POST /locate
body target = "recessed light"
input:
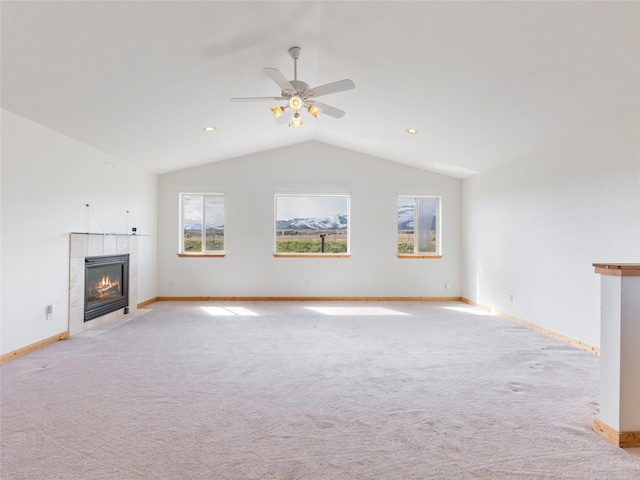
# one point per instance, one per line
(411, 131)
(209, 129)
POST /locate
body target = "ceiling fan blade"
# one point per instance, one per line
(280, 79)
(334, 87)
(329, 110)
(257, 99)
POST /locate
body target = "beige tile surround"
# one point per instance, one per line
(83, 245)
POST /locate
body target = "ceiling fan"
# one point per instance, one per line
(298, 95)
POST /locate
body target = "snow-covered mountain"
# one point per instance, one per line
(196, 225)
(406, 221)
(326, 222)
(407, 217)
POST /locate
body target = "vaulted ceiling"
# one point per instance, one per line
(482, 82)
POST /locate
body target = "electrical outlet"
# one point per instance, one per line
(49, 312)
(446, 284)
(171, 283)
(511, 297)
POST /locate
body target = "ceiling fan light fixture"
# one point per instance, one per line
(295, 103)
(314, 111)
(298, 95)
(296, 121)
(277, 112)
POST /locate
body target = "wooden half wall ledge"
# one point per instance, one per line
(619, 439)
(618, 269)
(21, 352)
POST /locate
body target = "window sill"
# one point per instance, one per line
(406, 255)
(201, 255)
(312, 255)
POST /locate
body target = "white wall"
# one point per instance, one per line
(249, 269)
(534, 227)
(47, 178)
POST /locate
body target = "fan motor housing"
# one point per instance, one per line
(299, 86)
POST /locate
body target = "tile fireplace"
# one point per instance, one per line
(106, 283)
(109, 262)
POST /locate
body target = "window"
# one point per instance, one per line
(419, 226)
(202, 224)
(312, 225)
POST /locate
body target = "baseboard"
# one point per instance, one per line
(308, 299)
(147, 302)
(619, 439)
(532, 326)
(21, 352)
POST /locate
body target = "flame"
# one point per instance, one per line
(107, 283)
(103, 288)
(107, 288)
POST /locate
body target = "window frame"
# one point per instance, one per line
(203, 237)
(277, 254)
(438, 240)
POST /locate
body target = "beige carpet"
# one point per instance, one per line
(281, 391)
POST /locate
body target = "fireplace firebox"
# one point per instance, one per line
(106, 284)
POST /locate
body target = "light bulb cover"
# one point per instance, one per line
(295, 103)
(314, 111)
(277, 112)
(296, 121)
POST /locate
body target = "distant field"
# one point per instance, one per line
(406, 242)
(192, 241)
(301, 241)
(309, 241)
